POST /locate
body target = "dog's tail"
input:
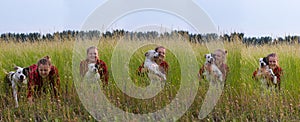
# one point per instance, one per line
(5, 72)
(6, 85)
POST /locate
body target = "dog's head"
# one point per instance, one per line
(263, 62)
(209, 58)
(21, 73)
(151, 54)
(93, 67)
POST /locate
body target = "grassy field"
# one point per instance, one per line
(241, 100)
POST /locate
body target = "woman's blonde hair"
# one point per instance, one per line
(92, 47)
(223, 52)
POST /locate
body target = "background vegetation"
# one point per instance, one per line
(241, 100)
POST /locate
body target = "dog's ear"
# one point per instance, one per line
(26, 71)
(5, 72)
(205, 56)
(265, 59)
(146, 54)
(213, 55)
(16, 68)
(97, 66)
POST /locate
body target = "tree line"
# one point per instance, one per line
(71, 35)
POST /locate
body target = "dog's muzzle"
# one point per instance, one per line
(95, 70)
(156, 55)
(210, 60)
(22, 78)
(262, 64)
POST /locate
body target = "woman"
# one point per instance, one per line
(42, 77)
(92, 57)
(220, 56)
(274, 65)
(163, 65)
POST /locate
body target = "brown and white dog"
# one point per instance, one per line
(15, 80)
(211, 71)
(266, 74)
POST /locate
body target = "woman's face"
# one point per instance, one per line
(162, 52)
(273, 62)
(44, 70)
(219, 57)
(92, 55)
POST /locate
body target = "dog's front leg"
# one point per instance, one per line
(15, 93)
(271, 72)
(156, 71)
(219, 73)
(163, 76)
(275, 79)
(273, 76)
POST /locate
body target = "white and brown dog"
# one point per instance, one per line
(211, 71)
(92, 74)
(152, 66)
(15, 79)
(265, 74)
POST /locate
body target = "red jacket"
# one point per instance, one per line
(102, 70)
(36, 84)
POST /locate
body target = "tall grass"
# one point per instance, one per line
(241, 100)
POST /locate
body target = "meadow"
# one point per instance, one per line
(241, 100)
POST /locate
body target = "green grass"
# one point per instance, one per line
(241, 99)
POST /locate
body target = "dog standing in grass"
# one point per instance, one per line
(16, 79)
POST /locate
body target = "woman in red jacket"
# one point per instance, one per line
(274, 65)
(42, 77)
(92, 57)
(220, 56)
(163, 65)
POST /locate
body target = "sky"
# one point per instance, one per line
(254, 18)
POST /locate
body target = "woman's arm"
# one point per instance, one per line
(31, 80)
(103, 71)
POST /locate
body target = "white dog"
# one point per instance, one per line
(211, 71)
(16, 79)
(264, 72)
(92, 74)
(152, 66)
